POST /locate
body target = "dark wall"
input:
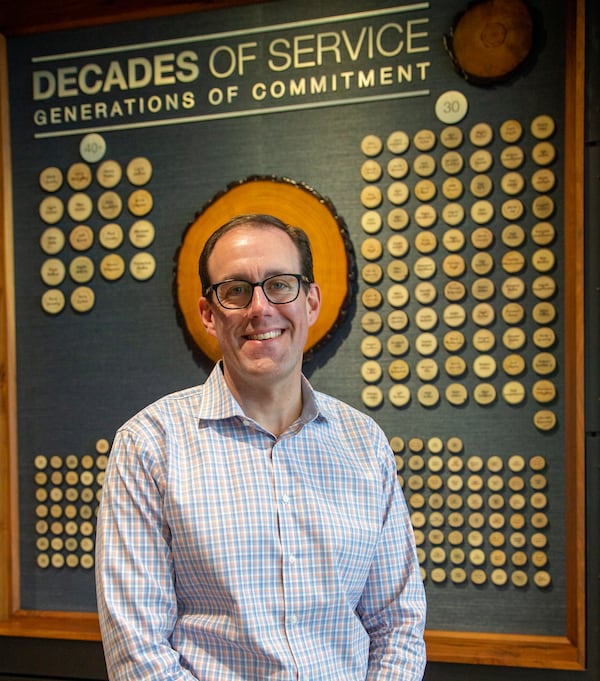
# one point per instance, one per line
(35, 16)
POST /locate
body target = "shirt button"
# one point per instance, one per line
(292, 560)
(286, 499)
(293, 619)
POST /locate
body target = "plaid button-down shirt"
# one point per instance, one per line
(226, 553)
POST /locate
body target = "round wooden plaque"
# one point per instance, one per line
(491, 39)
(294, 203)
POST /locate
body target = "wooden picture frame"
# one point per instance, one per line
(561, 652)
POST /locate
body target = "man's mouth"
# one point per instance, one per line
(264, 336)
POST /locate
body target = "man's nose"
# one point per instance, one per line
(259, 300)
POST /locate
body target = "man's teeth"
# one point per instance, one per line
(265, 336)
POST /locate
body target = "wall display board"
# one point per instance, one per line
(427, 148)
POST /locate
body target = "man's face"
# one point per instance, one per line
(262, 340)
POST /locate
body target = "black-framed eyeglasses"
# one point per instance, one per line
(235, 294)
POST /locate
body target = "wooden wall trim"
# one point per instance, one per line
(511, 650)
(574, 323)
(52, 625)
(9, 530)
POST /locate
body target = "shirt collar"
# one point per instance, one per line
(218, 402)
(310, 409)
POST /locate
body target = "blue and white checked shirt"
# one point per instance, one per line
(225, 553)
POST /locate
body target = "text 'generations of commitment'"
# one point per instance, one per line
(274, 68)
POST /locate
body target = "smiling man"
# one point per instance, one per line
(251, 527)
(259, 305)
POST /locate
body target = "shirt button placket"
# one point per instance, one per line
(286, 530)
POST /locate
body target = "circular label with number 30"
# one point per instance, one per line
(451, 107)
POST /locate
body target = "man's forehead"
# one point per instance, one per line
(261, 235)
(252, 228)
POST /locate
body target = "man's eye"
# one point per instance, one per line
(278, 285)
(281, 284)
(235, 290)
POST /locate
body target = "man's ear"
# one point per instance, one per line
(313, 302)
(207, 316)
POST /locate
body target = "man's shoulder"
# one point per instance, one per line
(183, 395)
(334, 407)
(351, 428)
(170, 405)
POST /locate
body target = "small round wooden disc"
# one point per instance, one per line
(51, 179)
(371, 371)
(452, 188)
(398, 370)
(397, 168)
(81, 238)
(109, 174)
(371, 171)
(139, 171)
(397, 345)
(371, 222)
(110, 236)
(452, 162)
(79, 207)
(53, 301)
(51, 210)
(371, 145)
(142, 266)
(52, 272)
(399, 395)
(397, 270)
(481, 160)
(511, 131)
(398, 142)
(398, 193)
(397, 219)
(82, 299)
(372, 273)
(455, 366)
(512, 157)
(397, 320)
(81, 269)
(425, 292)
(371, 196)
(112, 266)
(139, 203)
(451, 137)
(52, 240)
(79, 176)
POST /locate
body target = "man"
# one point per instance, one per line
(252, 528)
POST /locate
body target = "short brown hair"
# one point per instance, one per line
(296, 234)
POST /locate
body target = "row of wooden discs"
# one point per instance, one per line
(480, 161)
(67, 492)
(494, 540)
(79, 207)
(79, 177)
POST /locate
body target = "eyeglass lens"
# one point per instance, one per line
(279, 289)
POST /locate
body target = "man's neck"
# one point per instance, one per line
(273, 406)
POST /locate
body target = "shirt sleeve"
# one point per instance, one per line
(137, 605)
(392, 607)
